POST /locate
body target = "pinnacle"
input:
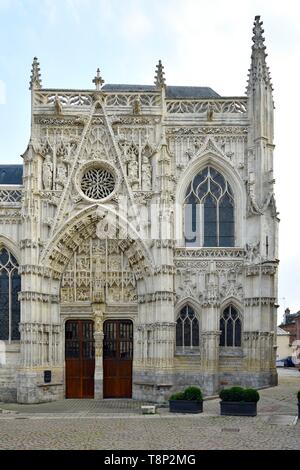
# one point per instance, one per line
(258, 39)
(98, 80)
(259, 71)
(159, 79)
(35, 78)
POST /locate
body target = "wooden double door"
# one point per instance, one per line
(117, 359)
(80, 358)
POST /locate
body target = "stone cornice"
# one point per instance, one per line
(266, 269)
(37, 297)
(255, 301)
(156, 296)
(43, 271)
(163, 243)
(41, 327)
(165, 269)
(211, 253)
(28, 243)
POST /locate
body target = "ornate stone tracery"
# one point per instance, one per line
(99, 271)
(97, 183)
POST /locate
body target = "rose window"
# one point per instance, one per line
(97, 183)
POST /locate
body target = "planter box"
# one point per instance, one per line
(238, 408)
(185, 406)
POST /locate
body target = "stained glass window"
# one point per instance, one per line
(231, 328)
(187, 329)
(209, 210)
(10, 286)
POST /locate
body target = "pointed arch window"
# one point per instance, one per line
(187, 330)
(231, 328)
(209, 210)
(10, 286)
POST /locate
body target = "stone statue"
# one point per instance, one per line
(210, 112)
(61, 178)
(58, 106)
(47, 172)
(98, 321)
(133, 173)
(137, 107)
(146, 175)
(253, 252)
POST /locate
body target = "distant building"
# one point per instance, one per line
(283, 344)
(291, 324)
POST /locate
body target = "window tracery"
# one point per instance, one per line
(231, 327)
(10, 286)
(209, 210)
(187, 330)
(97, 183)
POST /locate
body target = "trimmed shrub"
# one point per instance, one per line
(193, 393)
(190, 394)
(298, 396)
(177, 396)
(232, 394)
(239, 394)
(250, 394)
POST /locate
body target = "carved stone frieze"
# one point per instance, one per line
(62, 121)
(256, 301)
(43, 271)
(156, 296)
(209, 253)
(231, 130)
(38, 297)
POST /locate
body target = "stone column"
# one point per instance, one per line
(98, 310)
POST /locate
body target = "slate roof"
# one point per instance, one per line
(11, 174)
(171, 91)
(281, 332)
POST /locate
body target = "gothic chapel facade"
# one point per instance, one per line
(138, 241)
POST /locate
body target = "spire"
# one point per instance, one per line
(98, 80)
(259, 71)
(35, 79)
(160, 81)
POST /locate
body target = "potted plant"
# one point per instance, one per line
(298, 396)
(238, 401)
(188, 401)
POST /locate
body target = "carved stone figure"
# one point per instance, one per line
(137, 107)
(58, 106)
(61, 177)
(47, 172)
(146, 175)
(133, 174)
(98, 321)
(253, 252)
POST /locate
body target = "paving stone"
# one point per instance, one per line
(119, 424)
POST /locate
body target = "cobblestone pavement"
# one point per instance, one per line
(80, 424)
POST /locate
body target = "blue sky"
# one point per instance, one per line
(200, 43)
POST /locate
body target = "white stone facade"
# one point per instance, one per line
(99, 233)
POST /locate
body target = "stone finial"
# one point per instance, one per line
(259, 71)
(159, 79)
(98, 80)
(258, 39)
(35, 79)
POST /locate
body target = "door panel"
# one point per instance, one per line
(117, 359)
(80, 359)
